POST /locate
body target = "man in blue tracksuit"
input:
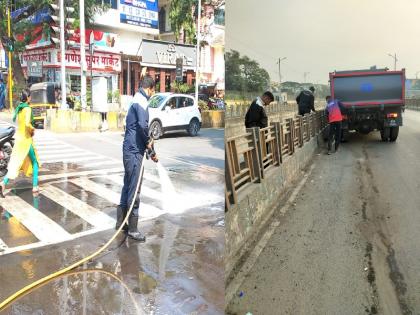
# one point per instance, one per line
(136, 141)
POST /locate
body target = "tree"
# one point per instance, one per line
(182, 14)
(244, 74)
(26, 27)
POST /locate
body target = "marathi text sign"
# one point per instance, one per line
(98, 61)
(142, 13)
(51, 58)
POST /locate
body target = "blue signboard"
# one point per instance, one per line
(142, 13)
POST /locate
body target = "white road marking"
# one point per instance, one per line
(146, 211)
(239, 278)
(40, 225)
(50, 156)
(70, 159)
(82, 173)
(145, 191)
(95, 164)
(3, 246)
(11, 250)
(88, 213)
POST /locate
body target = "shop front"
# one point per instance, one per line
(160, 59)
(43, 64)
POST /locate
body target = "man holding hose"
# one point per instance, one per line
(136, 141)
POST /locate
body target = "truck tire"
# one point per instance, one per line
(385, 133)
(394, 134)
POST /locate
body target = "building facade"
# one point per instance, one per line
(123, 40)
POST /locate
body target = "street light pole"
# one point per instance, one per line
(394, 56)
(305, 74)
(197, 71)
(279, 62)
(63, 57)
(82, 55)
(9, 54)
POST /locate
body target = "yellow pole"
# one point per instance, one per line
(10, 79)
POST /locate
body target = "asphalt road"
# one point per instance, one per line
(349, 244)
(179, 270)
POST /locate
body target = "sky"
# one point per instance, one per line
(320, 36)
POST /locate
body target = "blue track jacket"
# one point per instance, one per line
(137, 125)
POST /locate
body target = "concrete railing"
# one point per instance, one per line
(261, 165)
(250, 155)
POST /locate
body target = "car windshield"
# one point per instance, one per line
(156, 101)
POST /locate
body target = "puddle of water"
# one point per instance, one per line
(64, 217)
(12, 232)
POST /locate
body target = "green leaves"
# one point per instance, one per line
(182, 17)
(244, 74)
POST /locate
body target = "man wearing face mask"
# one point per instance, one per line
(136, 141)
(256, 115)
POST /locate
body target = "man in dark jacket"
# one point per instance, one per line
(306, 101)
(136, 141)
(256, 116)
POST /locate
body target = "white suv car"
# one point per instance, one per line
(173, 112)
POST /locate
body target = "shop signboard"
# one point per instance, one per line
(166, 54)
(35, 69)
(142, 13)
(50, 58)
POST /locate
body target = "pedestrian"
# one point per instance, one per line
(306, 101)
(335, 117)
(256, 115)
(136, 141)
(2, 95)
(24, 156)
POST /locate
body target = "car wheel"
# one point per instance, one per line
(156, 130)
(193, 128)
(385, 133)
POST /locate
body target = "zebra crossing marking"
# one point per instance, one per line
(42, 227)
(145, 191)
(78, 207)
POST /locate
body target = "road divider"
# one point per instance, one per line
(64, 121)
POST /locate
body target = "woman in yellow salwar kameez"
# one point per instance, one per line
(24, 157)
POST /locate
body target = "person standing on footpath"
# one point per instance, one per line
(306, 101)
(256, 115)
(335, 117)
(136, 141)
(24, 156)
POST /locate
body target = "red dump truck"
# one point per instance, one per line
(373, 100)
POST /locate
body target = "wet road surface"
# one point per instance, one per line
(179, 270)
(349, 243)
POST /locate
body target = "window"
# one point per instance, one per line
(183, 102)
(112, 3)
(162, 20)
(219, 16)
(75, 83)
(155, 101)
